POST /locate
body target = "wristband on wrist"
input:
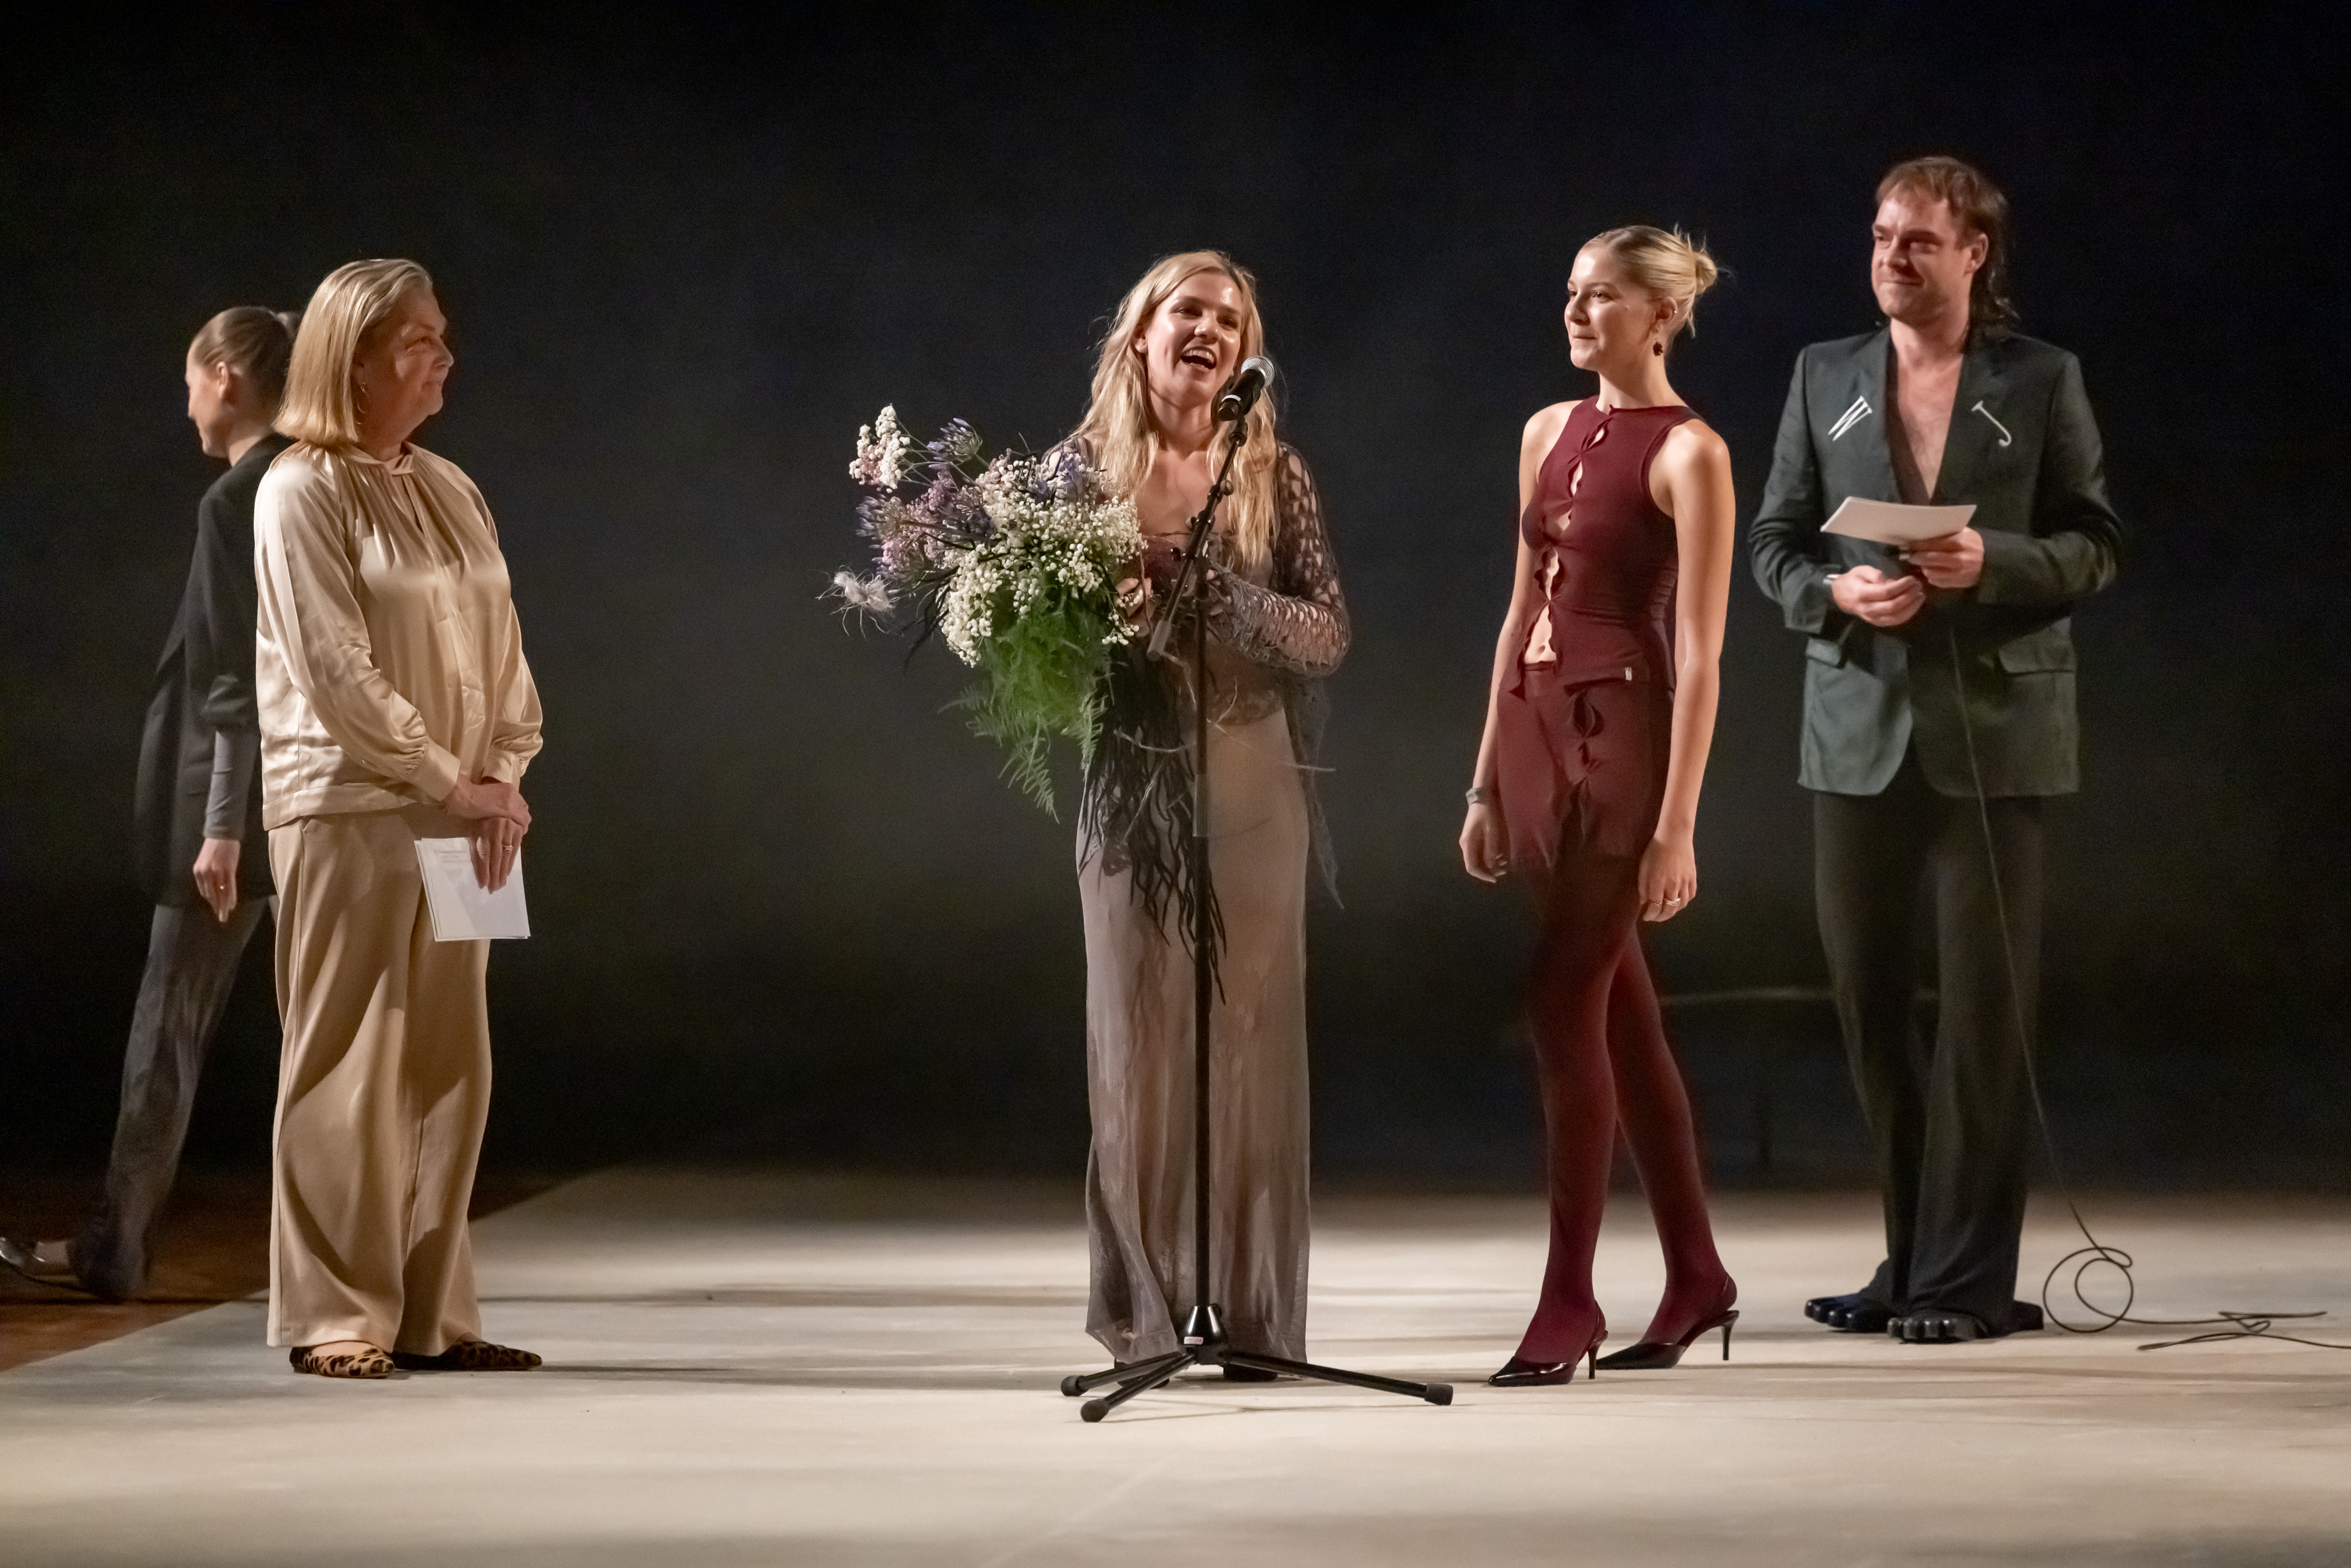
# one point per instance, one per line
(1476, 795)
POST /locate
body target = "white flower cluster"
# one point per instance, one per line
(885, 451)
(1065, 546)
(968, 609)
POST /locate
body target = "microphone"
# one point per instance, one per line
(1248, 385)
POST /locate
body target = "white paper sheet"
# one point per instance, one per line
(1887, 523)
(462, 909)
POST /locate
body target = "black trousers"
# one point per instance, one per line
(192, 961)
(1952, 1125)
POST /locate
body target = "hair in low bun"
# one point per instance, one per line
(255, 342)
(1668, 263)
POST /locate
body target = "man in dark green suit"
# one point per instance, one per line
(1933, 676)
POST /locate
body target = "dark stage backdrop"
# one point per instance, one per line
(785, 907)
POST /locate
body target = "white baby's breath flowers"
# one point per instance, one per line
(1060, 544)
(1028, 572)
(885, 451)
(968, 609)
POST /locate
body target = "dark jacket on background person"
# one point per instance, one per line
(2024, 449)
(203, 716)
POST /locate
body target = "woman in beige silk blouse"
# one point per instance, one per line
(395, 705)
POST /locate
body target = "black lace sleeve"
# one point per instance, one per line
(1298, 622)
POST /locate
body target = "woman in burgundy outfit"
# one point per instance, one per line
(1597, 727)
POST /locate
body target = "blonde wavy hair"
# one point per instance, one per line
(1118, 425)
(1669, 264)
(354, 299)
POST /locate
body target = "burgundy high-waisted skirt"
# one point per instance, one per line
(1583, 763)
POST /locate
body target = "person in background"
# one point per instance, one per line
(202, 853)
(395, 705)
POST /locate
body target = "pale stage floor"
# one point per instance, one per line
(753, 1368)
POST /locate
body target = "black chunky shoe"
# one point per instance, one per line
(1940, 1325)
(1855, 1313)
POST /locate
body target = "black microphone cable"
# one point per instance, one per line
(2094, 1253)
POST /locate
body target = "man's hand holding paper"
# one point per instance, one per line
(1936, 542)
(1954, 560)
(1869, 595)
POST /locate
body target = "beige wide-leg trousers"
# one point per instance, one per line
(382, 1091)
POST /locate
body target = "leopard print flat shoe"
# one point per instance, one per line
(363, 1364)
(469, 1355)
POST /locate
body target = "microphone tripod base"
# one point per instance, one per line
(1204, 1344)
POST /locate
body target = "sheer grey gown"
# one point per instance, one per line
(1273, 631)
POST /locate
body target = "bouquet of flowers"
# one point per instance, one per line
(1021, 563)
(1033, 577)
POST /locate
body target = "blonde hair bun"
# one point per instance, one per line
(1668, 263)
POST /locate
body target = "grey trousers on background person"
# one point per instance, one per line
(1952, 1124)
(192, 961)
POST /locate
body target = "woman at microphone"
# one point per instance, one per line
(1598, 720)
(1276, 624)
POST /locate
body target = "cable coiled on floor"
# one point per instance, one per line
(2094, 1254)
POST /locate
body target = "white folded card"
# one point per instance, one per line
(1888, 523)
(462, 909)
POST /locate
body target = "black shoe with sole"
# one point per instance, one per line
(1940, 1325)
(1936, 1325)
(1855, 1313)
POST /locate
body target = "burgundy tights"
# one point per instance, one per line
(1602, 1060)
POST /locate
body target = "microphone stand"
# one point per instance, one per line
(1201, 1341)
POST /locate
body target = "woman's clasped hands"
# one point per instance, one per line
(499, 819)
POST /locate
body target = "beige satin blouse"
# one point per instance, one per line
(389, 662)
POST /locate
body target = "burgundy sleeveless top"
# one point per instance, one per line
(1605, 555)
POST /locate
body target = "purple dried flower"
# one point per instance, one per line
(906, 554)
(958, 445)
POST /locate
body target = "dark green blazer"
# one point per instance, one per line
(2024, 449)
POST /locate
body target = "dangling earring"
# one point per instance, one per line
(1658, 348)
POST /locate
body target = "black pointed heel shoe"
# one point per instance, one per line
(1655, 1355)
(23, 1257)
(1517, 1373)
